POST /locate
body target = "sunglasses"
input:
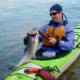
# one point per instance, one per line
(53, 13)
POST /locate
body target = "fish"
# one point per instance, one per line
(31, 46)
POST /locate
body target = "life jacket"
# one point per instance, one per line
(52, 32)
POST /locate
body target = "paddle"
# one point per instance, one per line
(42, 34)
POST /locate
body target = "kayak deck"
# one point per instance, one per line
(62, 63)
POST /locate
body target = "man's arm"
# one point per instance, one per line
(69, 44)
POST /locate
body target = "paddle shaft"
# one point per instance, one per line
(42, 34)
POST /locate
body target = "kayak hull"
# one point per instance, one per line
(72, 72)
(61, 63)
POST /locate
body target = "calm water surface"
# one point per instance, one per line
(17, 17)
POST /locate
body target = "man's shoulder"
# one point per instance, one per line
(43, 28)
(45, 25)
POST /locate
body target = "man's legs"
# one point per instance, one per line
(44, 53)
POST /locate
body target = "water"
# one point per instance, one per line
(17, 17)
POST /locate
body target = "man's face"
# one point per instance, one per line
(56, 16)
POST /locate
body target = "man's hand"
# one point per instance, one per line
(52, 41)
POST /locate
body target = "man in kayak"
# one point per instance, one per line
(59, 32)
